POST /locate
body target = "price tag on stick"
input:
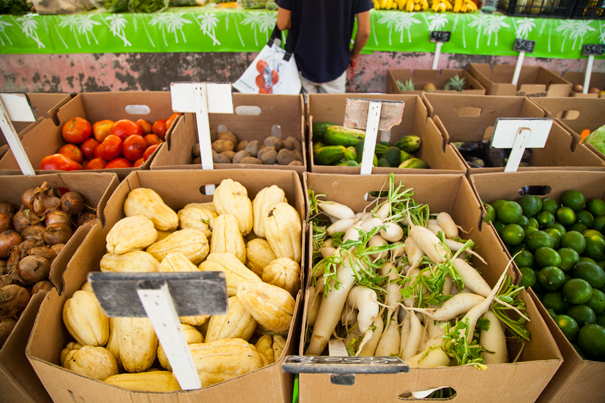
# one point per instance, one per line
(163, 297)
(591, 51)
(519, 134)
(439, 37)
(16, 107)
(193, 98)
(522, 46)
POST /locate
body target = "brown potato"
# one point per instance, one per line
(273, 141)
(229, 136)
(195, 150)
(237, 158)
(285, 156)
(220, 159)
(288, 144)
(250, 160)
(269, 157)
(223, 145)
(252, 148)
(296, 164)
(241, 145)
(295, 141)
(198, 160)
(228, 154)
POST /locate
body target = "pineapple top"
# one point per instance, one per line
(456, 83)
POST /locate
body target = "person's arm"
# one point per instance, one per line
(284, 19)
(363, 34)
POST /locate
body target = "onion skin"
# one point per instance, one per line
(57, 233)
(21, 220)
(26, 246)
(6, 327)
(13, 300)
(27, 197)
(57, 217)
(43, 251)
(5, 279)
(33, 269)
(6, 222)
(8, 239)
(57, 248)
(35, 232)
(72, 203)
(7, 208)
(44, 203)
(44, 285)
(86, 217)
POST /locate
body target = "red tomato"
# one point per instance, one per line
(58, 162)
(159, 128)
(261, 65)
(124, 128)
(110, 148)
(96, 163)
(152, 139)
(172, 119)
(97, 150)
(150, 151)
(101, 129)
(145, 126)
(118, 163)
(138, 162)
(76, 130)
(134, 147)
(88, 148)
(72, 152)
(260, 81)
(274, 77)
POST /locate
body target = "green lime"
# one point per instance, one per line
(545, 256)
(599, 223)
(596, 206)
(566, 216)
(591, 272)
(525, 259)
(583, 314)
(556, 235)
(529, 230)
(550, 205)
(577, 226)
(595, 247)
(587, 259)
(602, 264)
(491, 213)
(498, 226)
(515, 249)
(529, 277)
(554, 300)
(579, 351)
(600, 319)
(574, 240)
(558, 226)
(497, 203)
(537, 239)
(530, 204)
(545, 218)
(569, 258)
(533, 223)
(577, 291)
(523, 221)
(574, 199)
(551, 313)
(590, 232)
(585, 217)
(509, 212)
(591, 340)
(551, 278)
(512, 234)
(597, 301)
(568, 326)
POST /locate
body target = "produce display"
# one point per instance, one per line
(559, 248)
(32, 236)
(107, 144)
(227, 149)
(579, 89)
(458, 6)
(397, 279)
(595, 138)
(256, 243)
(456, 83)
(341, 146)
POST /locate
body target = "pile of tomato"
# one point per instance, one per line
(107, 144)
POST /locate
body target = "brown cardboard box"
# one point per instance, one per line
(440, 158)
(18, 380)
(439, 78)
(46, 139)
(575, 115)
(254, 118)
(577, 77)
(177, 188)
(521, 381)
(576, 379)
(43, 105)
(472, 118)
(533, 80)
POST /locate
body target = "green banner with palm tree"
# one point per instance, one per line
(210, 29)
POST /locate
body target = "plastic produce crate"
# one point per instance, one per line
(589, 9)
(537, 8)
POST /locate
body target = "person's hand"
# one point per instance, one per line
(353, 63)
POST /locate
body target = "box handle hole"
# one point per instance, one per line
(436, 394)
(470, 112)
(536, 190)
(249, 110)
(137, 109)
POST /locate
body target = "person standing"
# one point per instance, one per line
(322, 32)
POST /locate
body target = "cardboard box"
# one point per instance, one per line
(577, 77)
(43, 105)
(472, 118)
(18, 381)
(533, 80)
(575, 115)
(177, 188)
(255, 117)
(46, 139)
(522, 381)
(440, 157)
(439, 78)
(577, 379)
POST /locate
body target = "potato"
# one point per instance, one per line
(237, 158)
(252, 148)
(297, 155)
(228, 154)
(295, 141)
(241, 145)
(287, 144)
(195, 150)
(273, 141)
(268, 157)
(296, 164)
(227, 135)
(223, 145)
(285, 156)
(198, 160)
(265, 150)
(250, 160)
(221, 159)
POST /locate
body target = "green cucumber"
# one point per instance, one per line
(383, 162)
(316, 147)
(381, 149)
(393, 156)
(319, 129)
(404, 156)
(348, 163)
(328, 155)
(351, 154)
(414, 162)
(340, 135)
(409, 144)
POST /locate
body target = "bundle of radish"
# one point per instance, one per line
(395, 279)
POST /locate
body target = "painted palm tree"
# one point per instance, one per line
(495, 25)
(255, 20)
(208, 22)
(480, 22)
(160, 20)
(176, 22)
(29, 26)
(71, 22)
(438, 22)
(3, 26)
(567, 27)
(525, 27)
(116, 24)
(268, 21)
(86, 26)
(581, 28)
